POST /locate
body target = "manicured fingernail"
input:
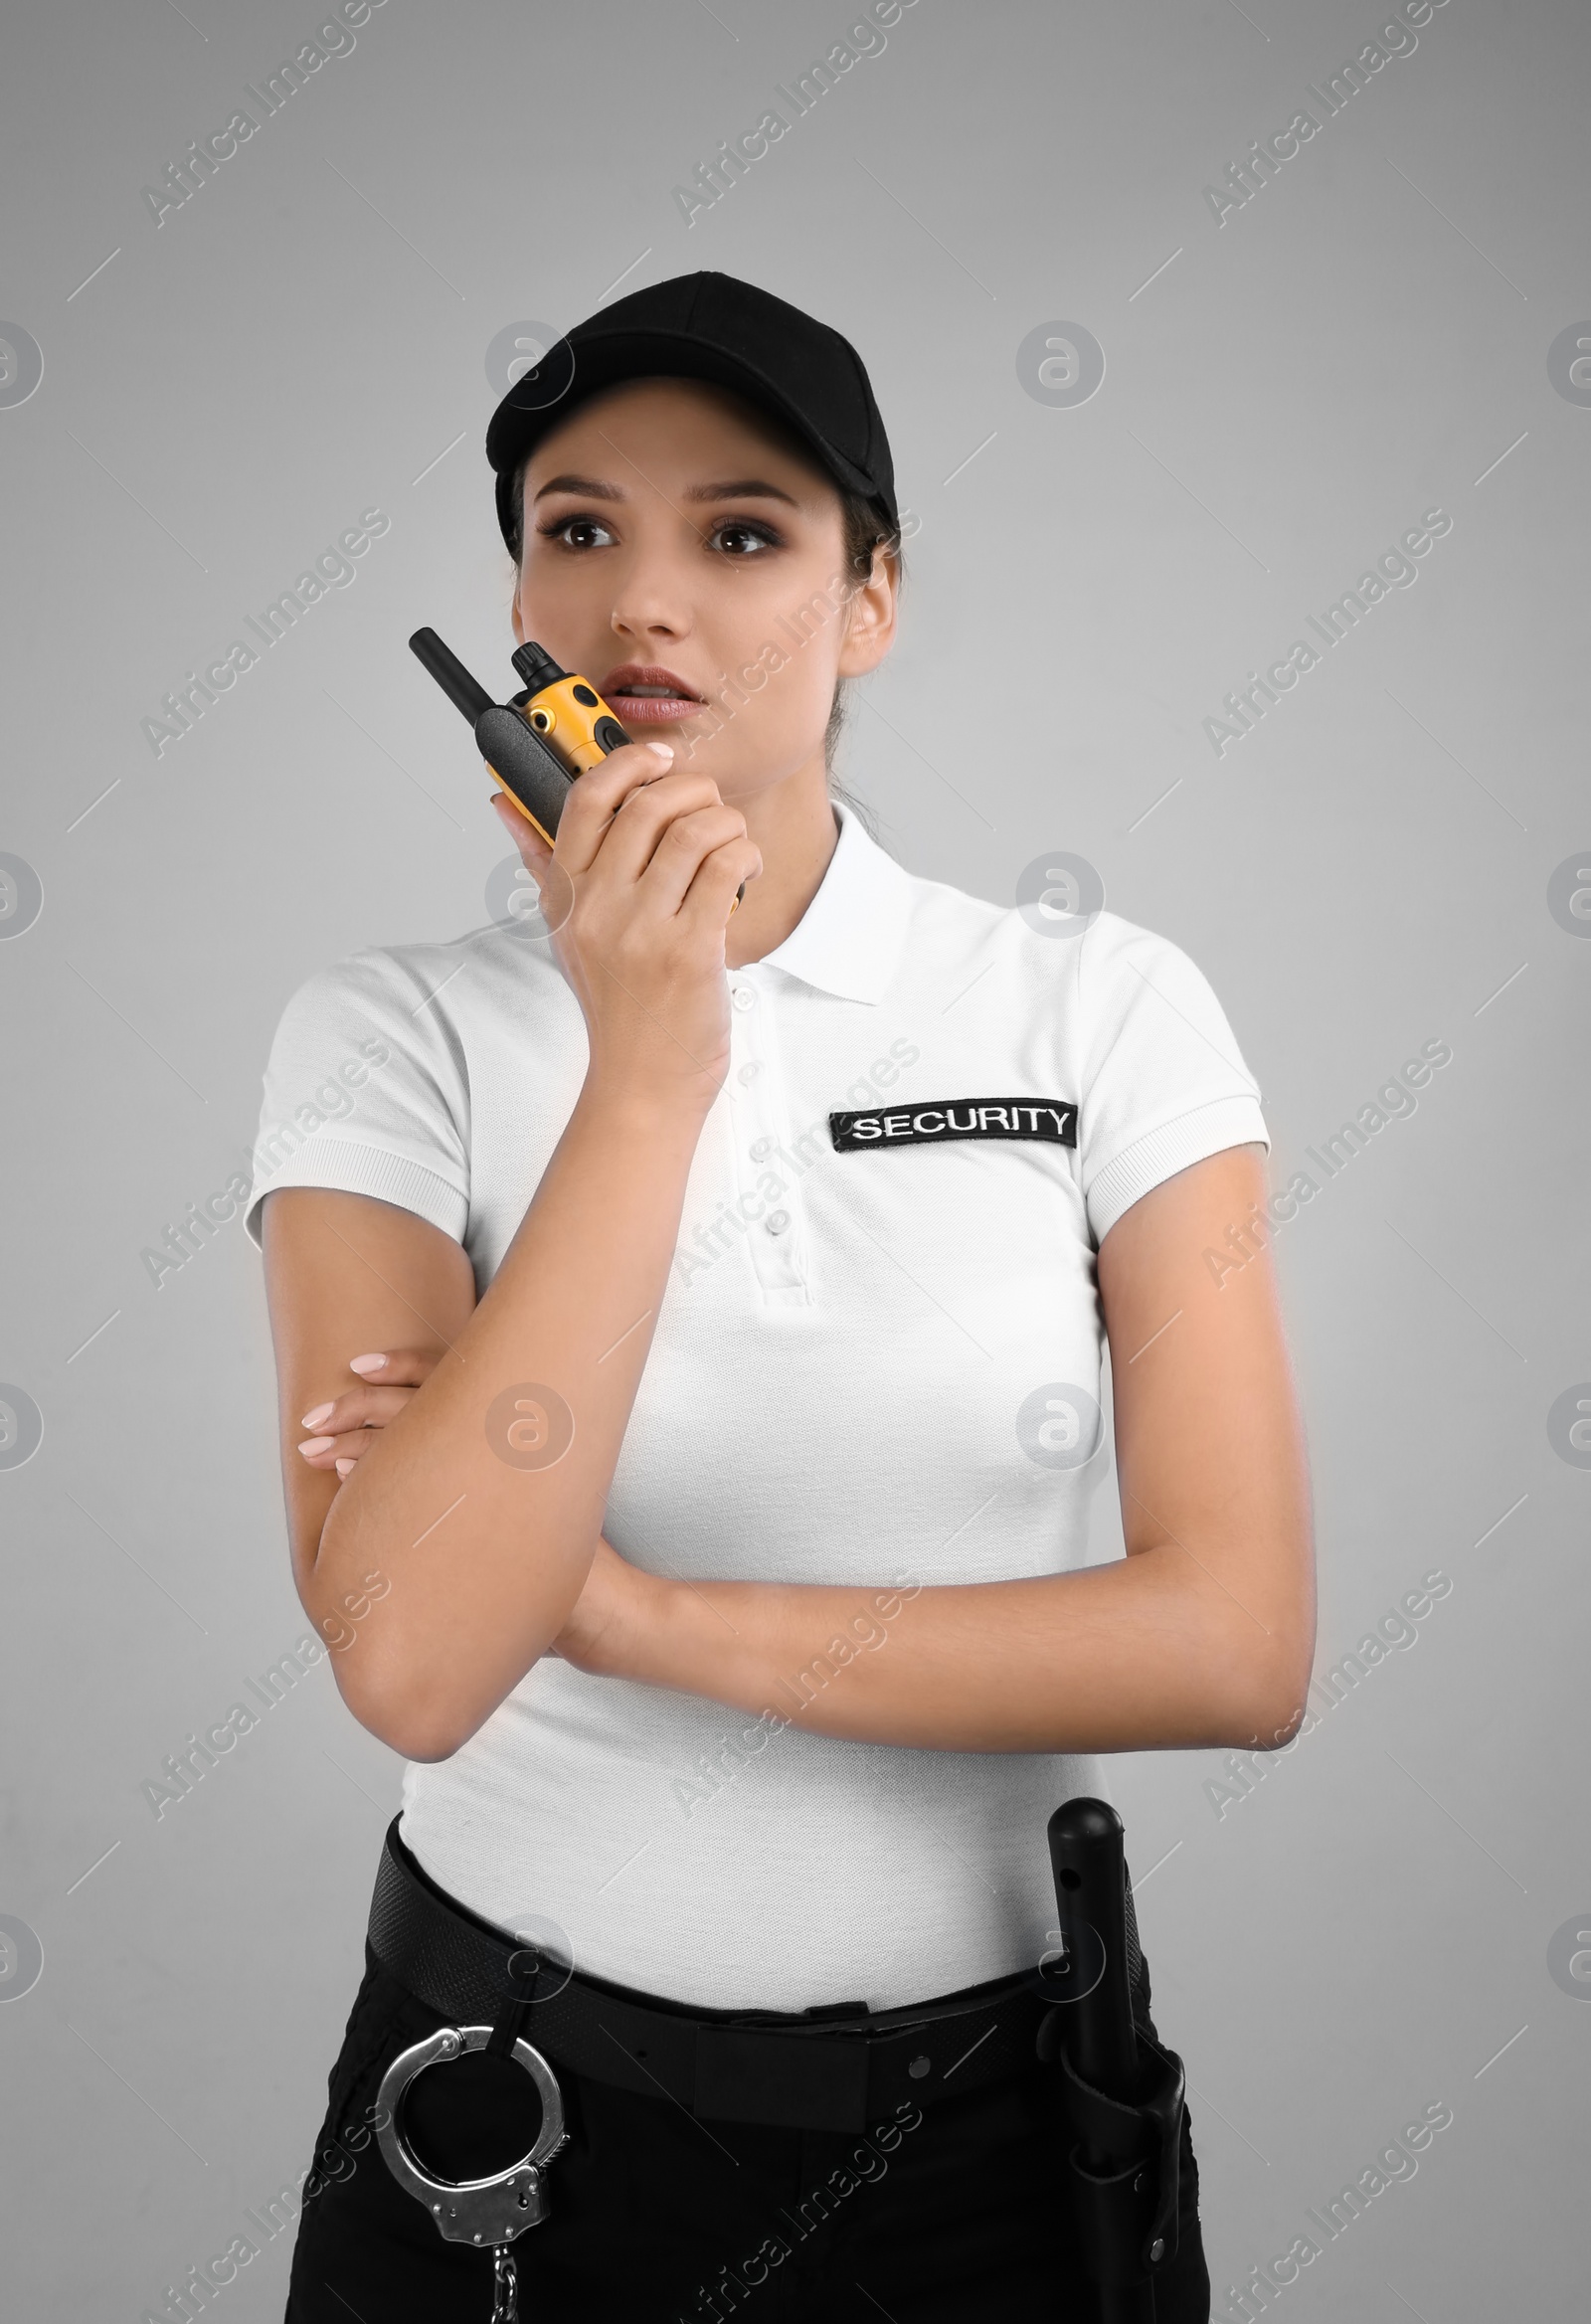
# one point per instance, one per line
(343, 1468)
(366, 1363)
(316, 1444)
(664, 750)
(314, 1419)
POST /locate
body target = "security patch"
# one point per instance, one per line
(1053, 1120)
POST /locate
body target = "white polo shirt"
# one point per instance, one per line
(877, 1362)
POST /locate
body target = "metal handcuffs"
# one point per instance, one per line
(488, 2213)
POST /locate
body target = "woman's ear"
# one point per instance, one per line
(518, 621)
(870, 618)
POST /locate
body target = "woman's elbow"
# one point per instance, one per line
(422, 1747)
(411, 1736)
(392, 1709)
(1266, 1709)
(1283, 1729)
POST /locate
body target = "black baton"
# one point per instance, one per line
(1122, 2094)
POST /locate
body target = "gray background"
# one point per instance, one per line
(1368, 1931)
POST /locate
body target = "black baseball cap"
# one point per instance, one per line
(707, 326)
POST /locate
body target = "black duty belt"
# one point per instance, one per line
(839, 2066)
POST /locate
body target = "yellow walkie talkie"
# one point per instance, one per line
(542, 740)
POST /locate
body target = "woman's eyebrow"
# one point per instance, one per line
(745, 489)
(592, 487)
(737, 489)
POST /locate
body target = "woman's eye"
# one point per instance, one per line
(741, 540)
(578, 532)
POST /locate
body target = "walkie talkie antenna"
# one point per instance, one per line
(465, 693)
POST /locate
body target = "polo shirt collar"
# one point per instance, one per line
(849, 940)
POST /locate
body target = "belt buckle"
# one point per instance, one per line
(485, 2212)
(786, 2080)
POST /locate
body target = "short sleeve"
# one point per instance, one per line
(1164, 1084)
(366, 1090)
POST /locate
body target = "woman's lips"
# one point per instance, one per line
(650, 709)
(653, 705)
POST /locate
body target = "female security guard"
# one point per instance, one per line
(706, 1513)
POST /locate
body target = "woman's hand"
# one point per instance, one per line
(636, 894)
(607, 1626)
(345, 1425)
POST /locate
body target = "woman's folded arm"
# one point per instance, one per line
(486, 1554)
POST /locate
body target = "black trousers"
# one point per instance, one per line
(950, 2213)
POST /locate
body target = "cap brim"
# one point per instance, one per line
(536, 404)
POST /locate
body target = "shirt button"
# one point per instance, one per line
(751, 1069)
(744, 997)
(778, 1221)
(762, 1150)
